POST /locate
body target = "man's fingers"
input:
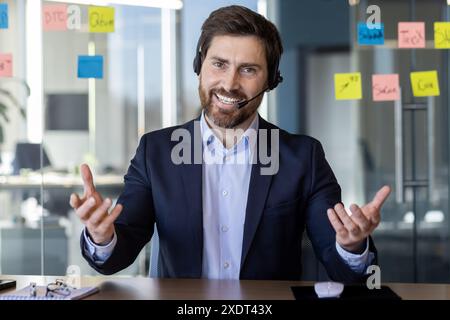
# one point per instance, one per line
(359, 218)
(75, 201)
(88, 181)
(375, 218)
(100, 213)
(346, 220)
(84, 210)
(380, 197)
(336, 222)
(109, 220)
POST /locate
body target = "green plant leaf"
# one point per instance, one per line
(4, 115)
(11, 98)
(11, 101)
(23, 112)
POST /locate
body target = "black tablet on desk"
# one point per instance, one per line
(5, 284)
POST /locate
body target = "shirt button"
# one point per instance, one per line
(224, 193)
(224, 228)
(226, 265)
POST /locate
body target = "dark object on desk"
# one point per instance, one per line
(28, 156)
(351, 292)
(5, 284)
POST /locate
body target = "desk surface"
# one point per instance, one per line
(56, 180)
(140, 288)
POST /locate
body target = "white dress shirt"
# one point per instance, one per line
(225, 182)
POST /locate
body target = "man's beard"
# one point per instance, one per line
(226, 118)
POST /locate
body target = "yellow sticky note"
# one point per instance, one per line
(101, 19)
(425, 83)
(347, 86)
(442, 35)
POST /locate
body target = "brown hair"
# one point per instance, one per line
(239, 20)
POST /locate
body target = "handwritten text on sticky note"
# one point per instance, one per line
(101, 19)
(374, 36)
(425, 83)
(385, 87)
(6, 65)
(442, 35)
(54, 17)
(90, 67)
(3, 16)
(347, 86)
(411, 34)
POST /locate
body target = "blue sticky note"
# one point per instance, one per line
(3, 16)
(90, 67)
(367, 36)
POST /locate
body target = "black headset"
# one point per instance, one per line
(274, 75)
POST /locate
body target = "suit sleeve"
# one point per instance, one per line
(325, 192)
(134, 226)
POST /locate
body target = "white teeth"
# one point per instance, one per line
(226, 100)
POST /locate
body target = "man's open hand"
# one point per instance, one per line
(352, 230)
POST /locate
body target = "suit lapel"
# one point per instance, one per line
(257, 194)
(192, 181)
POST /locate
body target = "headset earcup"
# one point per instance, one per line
(275, 80)
(197, 63)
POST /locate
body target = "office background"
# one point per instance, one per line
(148, 83)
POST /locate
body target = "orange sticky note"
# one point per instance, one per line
(54, 17)
(385, 87)
(348, 86)
(442, 35)
(411, 34)
(6, 65)
(101, 19)
(425, 83)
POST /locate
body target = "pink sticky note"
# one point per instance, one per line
(54, 17)
(385, 87)
(411, 34)
(6, 65)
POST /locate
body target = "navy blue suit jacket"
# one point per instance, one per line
(278, 209)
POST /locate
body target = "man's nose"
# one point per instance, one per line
(231, 80)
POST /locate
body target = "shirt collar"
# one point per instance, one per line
(212, 142)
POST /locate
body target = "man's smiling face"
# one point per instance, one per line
(234, 69)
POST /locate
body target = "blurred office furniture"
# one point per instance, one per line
(28, 156)
(21, 252)
(51, 180)
(56, 184)
(20, 241)
(57, 187)
(33, 156)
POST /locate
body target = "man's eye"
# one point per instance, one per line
(249, 70)
(218, 64)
